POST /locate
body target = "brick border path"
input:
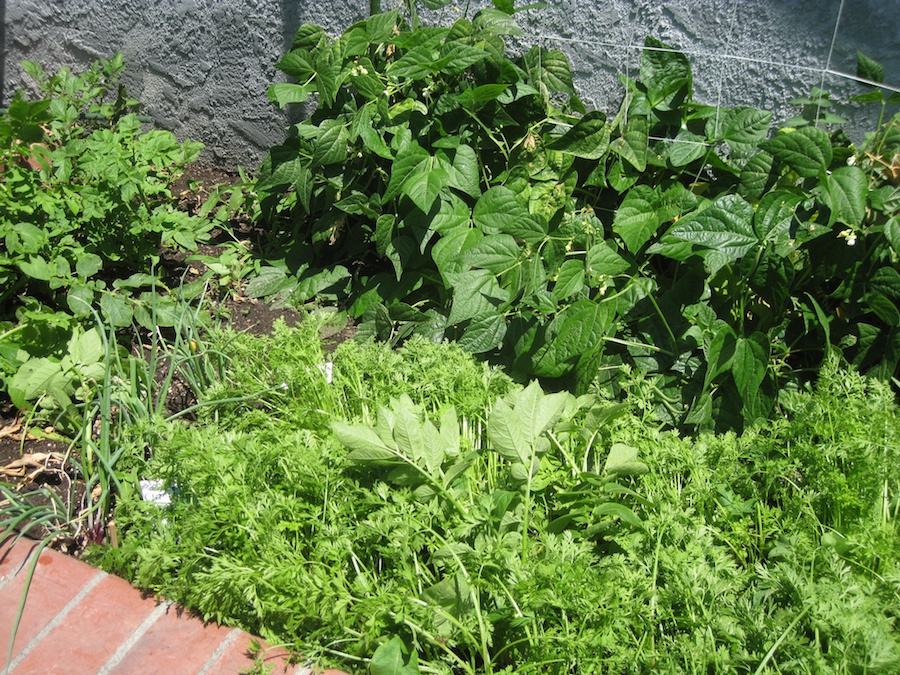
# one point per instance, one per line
(79, 620)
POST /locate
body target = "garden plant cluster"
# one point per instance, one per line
(622, 396)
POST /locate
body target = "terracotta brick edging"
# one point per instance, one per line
(81, 620)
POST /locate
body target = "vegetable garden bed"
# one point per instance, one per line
(678, 452)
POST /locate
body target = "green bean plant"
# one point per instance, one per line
(446, 188)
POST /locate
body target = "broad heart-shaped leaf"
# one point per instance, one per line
(88, 264)
(748, 368)
(299, 64)
(589, 138)
(36, 377)
(636, 220)
(496, 252)
(457, 56)
(500, 211)
(284, 93)
(463, 169)
(484, 334)
(117, 310)
(569, 280)
(886, 280)
(632, 146)
(577, 330)
(775, 215)
(806, 150)
(685, 148)
(892, 233)
(603, 260)
(452, 214)
(449, 253)
(845, 194)
(425, 182)
(476, 294)
(756, 175)
(550, 68)
(365, 445)
(407, 161)
(331, 146)
(745, 125)
(665, 73)
(474, 98)
(884, 308)
(725, 227)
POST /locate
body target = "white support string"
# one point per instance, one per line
(731, 57)
(837, 24)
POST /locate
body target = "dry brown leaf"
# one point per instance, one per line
(10, 429)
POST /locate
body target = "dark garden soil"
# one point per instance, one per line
(32, 458)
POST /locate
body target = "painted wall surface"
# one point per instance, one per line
(201, 67)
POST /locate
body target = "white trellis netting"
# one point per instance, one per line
(743, 53)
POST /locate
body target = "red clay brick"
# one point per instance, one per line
(57, 579)
(176, 643)
(92, 633)
(12, 556)
(236, 658)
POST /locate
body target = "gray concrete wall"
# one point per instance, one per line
(201, 67)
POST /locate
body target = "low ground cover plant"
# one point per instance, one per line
(422, 513)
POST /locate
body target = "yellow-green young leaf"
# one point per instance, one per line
(364, 443)
(845, 195)
(806, 150)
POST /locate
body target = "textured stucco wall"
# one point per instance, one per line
(201, 67)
